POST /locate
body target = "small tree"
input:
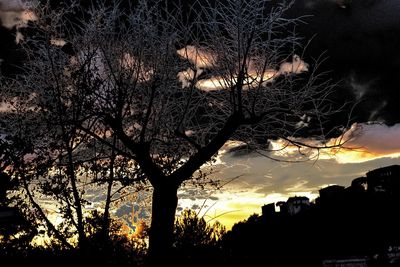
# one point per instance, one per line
(166, 89)
(197, 242)
(191, 231)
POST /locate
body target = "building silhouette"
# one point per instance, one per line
(352, 226)
(295, 205)
(384, 180)
(331, 195)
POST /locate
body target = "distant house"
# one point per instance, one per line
(360, 183)
(331, 195)
(384, 180)
(268, 210)
(294, 205)
(331, 192)
(393, 254)
(361, 261)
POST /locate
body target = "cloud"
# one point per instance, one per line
(58, 42)
(378, 139)
(203, 59)
(362, 142)
(359, 88)
(261, 180)
(212, 84)
(16, 13)
(310, 4)
(10, 19)
(361, 45)
(266, 181)
(338, 3)
(13, 5)
(187, 76)
(133, 65)
(4, 107)
(296, 66)
(366, 142)
(200, 57)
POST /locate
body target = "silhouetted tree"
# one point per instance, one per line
(119, 248)
(193, 231)
(16, 231)
(50, 158)
(163, 92)
(196, 242)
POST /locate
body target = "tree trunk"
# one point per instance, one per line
(165, 201)
(82, 241)
(106, 216)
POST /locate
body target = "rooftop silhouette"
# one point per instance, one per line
(345, 226)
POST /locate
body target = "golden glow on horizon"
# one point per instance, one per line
(362, 143)
(346, 156)
(232, 207)
(130, 233)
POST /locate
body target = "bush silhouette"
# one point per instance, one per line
(197, 242)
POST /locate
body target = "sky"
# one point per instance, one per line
(361, 41)
(262, 180)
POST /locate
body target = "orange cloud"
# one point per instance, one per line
(4, 107)
(129, 63)
(296, 66)
(203, 59)
(371, 141)
(362, 142)
(187, 76)
(16, 14)
(16, 18)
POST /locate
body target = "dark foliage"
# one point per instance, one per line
(197, 243)
(113, 250)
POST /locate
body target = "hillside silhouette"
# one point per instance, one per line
(353, 226)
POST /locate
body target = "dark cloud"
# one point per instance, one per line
(196, 194)
(14, 15)
(362, 43)
(12, 5)
(10, 55)
(360, 37)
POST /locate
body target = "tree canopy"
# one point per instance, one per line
(150, 94)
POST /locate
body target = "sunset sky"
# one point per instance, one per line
(361, 40)
(264, 181)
